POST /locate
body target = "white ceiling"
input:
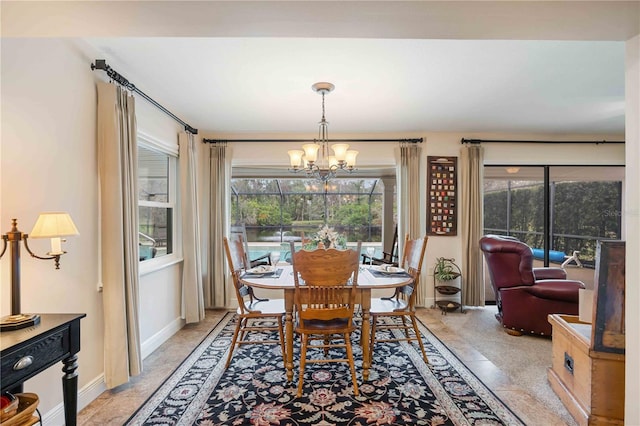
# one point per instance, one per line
(468, 66)
(264, 84)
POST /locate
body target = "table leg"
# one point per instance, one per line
(288, 326)
(365, 302)
(70, 389)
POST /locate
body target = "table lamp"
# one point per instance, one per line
(52, 225)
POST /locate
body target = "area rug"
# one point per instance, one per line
(401, 389)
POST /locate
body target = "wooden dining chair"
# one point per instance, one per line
(389, 257)
(400, 306)
(241, 231)
(325, 296)
(252, 311)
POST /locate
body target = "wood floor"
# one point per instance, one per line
(115, 406)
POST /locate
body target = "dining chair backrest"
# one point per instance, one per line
(236, 260)
(324, 275)
(238, 255)
(412, 258)
(392, 252)
(240, 231)
(413, 255)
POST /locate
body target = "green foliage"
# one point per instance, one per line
(445, 269)
(351, 215)
(261, 211)
(585, 209)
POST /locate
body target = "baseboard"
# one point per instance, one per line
(86, 395)
(161, 336)
(93, 389)
(428, 302)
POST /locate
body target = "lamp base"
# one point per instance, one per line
(18, 321)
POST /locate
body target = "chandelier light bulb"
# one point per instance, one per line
(311, 152)
(295, 157)
(340, 150)
(350, 158)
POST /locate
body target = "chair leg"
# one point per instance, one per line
(281, 337)
(419, 339)
(372, 339)
(303, 361)
(352, 366)
(404, 326)
(243, 323)
(233, 342)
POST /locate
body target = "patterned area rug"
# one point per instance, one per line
(401, 389)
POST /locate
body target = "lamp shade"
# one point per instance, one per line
(295, 157)
(52, 225)
(340, 150)
(350, 158)
(311, 152)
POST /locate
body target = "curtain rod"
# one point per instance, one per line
(479, 141)
(414, 140)
(101, 64)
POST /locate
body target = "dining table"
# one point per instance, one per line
(369, 278)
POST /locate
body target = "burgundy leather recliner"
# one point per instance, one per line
(526, 295)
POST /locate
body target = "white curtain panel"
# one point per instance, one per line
(117, 162)
(220, 180)
(409, 201)
(192, 290)
(472, 219)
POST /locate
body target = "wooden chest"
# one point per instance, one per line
(589, 383)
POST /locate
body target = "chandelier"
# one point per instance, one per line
(324, 166)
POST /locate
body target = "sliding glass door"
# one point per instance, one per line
(559, 211)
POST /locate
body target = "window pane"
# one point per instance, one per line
(514, 203)
(154, 232)
(153, 175)
(156, 183)
(586, 207)
(283, 209)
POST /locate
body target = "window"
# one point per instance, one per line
(585, 204)
(277, 210)
(156, 202)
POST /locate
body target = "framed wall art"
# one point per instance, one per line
(442, 184)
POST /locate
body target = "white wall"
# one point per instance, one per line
(49, 163)
(49, 160)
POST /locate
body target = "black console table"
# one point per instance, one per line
(29, 351)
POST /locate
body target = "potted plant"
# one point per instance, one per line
(445, 269)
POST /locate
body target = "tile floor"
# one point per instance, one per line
(115, 406)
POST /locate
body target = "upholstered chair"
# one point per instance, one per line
(526, 295)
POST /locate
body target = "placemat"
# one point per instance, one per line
(379, 274)
(274, 274)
